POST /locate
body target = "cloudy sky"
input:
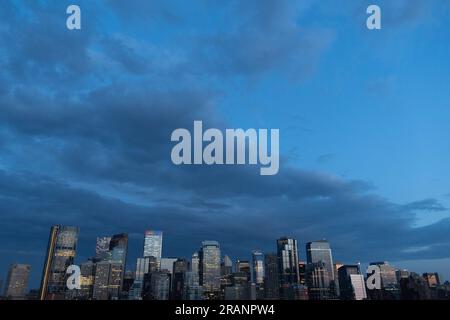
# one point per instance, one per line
(86, 118)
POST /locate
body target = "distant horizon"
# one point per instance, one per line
(131, 264)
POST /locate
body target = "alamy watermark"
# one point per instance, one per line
(73, 21)
(234, 146)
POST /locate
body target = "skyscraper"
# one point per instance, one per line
(61, 251)
(195, 263)
(192, 288)
(258, 267)
(118, 248)
(271, 277)
(209, 268)
(180, 267)
(17, 281)
(258, 273)
(320, 251)
(153, 244)
(102, 248)
(287, 266)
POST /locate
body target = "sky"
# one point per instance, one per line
(86, 117)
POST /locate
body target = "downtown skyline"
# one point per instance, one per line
(149, 246)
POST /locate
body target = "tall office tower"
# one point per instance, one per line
(180, 267)
(258, 267)
(258, 273)
(320, 251)
(61, 251)
(271, 277)
(195, 262)
(209, 269)
(17, 281)
(347, 291)
(102, 249)
(287, 267)
(318, 281)
(1, 287)
(153, 244)
(432, 279)
(118, 247)
(87, 278)
(244, 267)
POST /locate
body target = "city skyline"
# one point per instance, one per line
(130, 265)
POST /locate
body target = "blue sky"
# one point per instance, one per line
(363, 118)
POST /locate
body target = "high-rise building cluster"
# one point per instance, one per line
(210, 275)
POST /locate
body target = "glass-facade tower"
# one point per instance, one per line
(61, 251)
(153, 244)
(209, 267)
(289, 276)
(320, 251)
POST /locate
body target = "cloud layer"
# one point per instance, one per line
(86, 121)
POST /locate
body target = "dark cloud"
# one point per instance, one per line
(266, 37)
(431, 205)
